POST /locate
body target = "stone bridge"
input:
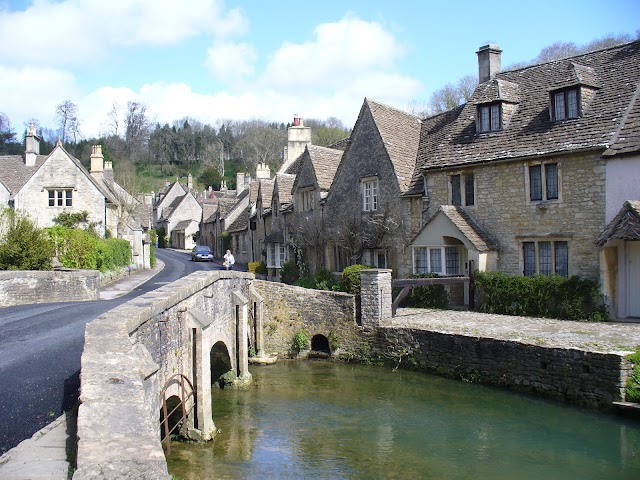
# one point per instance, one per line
(136, 355)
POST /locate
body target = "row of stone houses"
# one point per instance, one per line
(43, 186)
(539, 172)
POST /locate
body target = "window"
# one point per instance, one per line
(543, 182)
(545, 257)
(276, 255)
(489, 117)
(432, 260)
(375, 257)
(370, 195)
(564, 104)
(60, 198)
(462, 189)
(306, 197)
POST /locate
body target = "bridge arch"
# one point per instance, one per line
(320, 343)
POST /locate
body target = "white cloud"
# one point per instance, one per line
(231, 61)
(76, 31)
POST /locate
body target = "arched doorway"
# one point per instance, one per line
(220, 362)
(320, 346)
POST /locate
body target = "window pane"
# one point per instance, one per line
(455, 190)
(495, 117)
(572, 104)
(421, 260)
(544, 258)
(535, 183)
(452, 259)
(52, 198)
(529, 256)
(381, 260)
(68, 199)
(435, 258)
(367, 196)
(558, 99)
(484, 118)
(562, 258)
(469, 190)
(551, 174)
(374, 195)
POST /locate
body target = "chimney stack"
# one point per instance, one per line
(32, 149)
(489, 60)
(263, 172)
(97, 162)
(189, 182)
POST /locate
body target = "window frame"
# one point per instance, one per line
(60, 197)
(567, 105)
(276, 255)
(369, 188)
(492, 121)
(307, 200)
(445, 255)
(555, 260)
(463, 189)
(547, 169)
(371, 256)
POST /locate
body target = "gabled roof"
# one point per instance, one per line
(341, 144)
(625, 225)
(241, 223)
(14, 173)
(480, 239)
(325, 163)
(265, 192)
(283, 186)
(497, 90)
(400, 133)
(209, 211)
(530, 132)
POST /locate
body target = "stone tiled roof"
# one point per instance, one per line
(400, 133)
(253, 191)
(341, 144)
(325, 164)
(284, 183)
(625, 225)
(209, 211)
(184, 224)
(168, 210)
(497, 89)
(14, 173)
(240, 224)
(266, 191)
(627, 138)
(295, 166)
(610, 112)
(469, 228)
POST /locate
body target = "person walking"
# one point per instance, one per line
(228, 260)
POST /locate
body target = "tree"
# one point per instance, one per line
(8, 143)
(23, 246)
(210, 176)
(136, 131)
(67, 118)
(260, 142)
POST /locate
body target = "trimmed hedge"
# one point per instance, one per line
(23, 246)
(350, 281)
(549, 296)
(81, 249)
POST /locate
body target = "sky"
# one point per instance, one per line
(215, 60)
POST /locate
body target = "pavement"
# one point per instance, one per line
(49, 454)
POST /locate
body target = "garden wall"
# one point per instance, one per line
(20, 287)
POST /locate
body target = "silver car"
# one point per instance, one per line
(201, 253)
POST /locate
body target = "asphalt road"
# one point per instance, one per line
(40, 348)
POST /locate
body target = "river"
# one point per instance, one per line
(324, 420)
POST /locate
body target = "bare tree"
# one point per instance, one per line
(67, 118)
(260, 142)
(113, 119)
(136, 131)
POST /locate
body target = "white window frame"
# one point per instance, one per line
(276, 255)
(433, 251)
(554, 245)
(62, 197)
(543, 180)
(370, 197)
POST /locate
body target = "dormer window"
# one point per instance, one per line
(489, 117)
(565, 104)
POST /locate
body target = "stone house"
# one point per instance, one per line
(367, 217)
(277, 242)
(43, 186)
(522, 178)
(178, 212)
(318, 166)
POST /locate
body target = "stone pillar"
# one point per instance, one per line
(258, 313)
(242, 332)
(375, 297)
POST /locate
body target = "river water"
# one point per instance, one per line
(323, 420)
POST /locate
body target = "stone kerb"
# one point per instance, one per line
(26, 286)
(375, 297)
(118, 427)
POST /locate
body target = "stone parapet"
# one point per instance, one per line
(375, 301)
(21, 287)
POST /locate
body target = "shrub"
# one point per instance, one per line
(429, 296)
(152, 248)
(350, 281)
(261, 268)
(23, 246)
(633, 382)
(162, 237)
(289, 272)
(550, 296)
(301, 340)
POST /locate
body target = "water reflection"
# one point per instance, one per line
(323, 420)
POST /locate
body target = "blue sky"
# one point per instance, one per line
(215, 60)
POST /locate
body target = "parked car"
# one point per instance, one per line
(201, 253)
